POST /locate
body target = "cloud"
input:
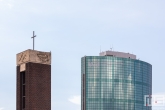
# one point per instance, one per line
(159, 93)
(75, 100)
(6, 4)
(10, 5)
(1, 108)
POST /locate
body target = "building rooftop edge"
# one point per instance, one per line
(117, 54)
(31, 50)
(34, 56)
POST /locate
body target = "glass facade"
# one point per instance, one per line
(114, 83)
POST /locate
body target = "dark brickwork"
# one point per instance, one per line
(37, 87)
(18, 98)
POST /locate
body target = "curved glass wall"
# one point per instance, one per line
(113, 83)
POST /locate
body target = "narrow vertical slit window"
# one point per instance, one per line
(23, 103)
(23, 90)
(23, 77)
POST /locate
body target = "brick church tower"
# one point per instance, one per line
(33, 80)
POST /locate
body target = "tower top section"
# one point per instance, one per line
(34, 56)
(118, 54)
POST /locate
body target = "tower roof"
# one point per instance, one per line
(118, 54)
(34, 56)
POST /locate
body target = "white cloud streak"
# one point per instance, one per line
(75, 99)
(160, 93)
(6, 4)
(1, 108)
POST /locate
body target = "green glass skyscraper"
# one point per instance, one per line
(115, 81)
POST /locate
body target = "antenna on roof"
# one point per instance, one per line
(111, 48)
(100, 48)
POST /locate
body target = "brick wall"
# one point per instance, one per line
(37, 87)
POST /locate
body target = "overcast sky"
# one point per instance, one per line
(71, 29)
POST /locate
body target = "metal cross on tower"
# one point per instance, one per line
(33, 39)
